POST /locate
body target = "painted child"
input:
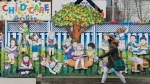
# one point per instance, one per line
(121, 37)
(7, 69)
(66, 49)
(26, 65)
(105, 47)
(91, 53)
(144, 47)
(70, 60)
(103, 64)
(105, 44)
(35, 45)
(132, 45)
(78, 56)
(1, 37)
(26, 32)
(49, 63)
(51, 42)
(144, 63)
(12, 51)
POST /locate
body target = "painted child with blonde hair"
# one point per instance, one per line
(67, 46)
(78, 56)
(51, 42)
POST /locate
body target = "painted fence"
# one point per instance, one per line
(93, 34)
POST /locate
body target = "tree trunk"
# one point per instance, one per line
(76, 33)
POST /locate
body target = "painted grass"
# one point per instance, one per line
(65, 71)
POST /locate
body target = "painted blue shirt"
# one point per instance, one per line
(70, 52)
(51, 41)
(132, 45)
(66, 54)
(105, 43)
(121, 36)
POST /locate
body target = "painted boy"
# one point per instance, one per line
(49, 63)
(26, 65)
(66, 49)
(26, 32)
(144, 47)
(132, 45)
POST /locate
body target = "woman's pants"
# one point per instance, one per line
(106, 70)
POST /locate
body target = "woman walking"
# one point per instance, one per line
(113, 52)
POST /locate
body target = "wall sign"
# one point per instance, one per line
(25, 11)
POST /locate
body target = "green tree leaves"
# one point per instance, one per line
(71, 14)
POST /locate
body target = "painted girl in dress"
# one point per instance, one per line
(51, 42)
(35, 46)
(78, 56)
(12, 51)
(105, 47)
(121, 37)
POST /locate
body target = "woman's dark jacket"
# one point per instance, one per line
(112, 52)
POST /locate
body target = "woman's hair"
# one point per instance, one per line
(91, 45)
(120, 30)
(74, 40)
(13, 39)
(114, 42)
(34, 34)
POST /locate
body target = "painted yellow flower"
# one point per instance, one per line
(22, 15)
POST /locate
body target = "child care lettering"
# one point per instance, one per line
(23, 7)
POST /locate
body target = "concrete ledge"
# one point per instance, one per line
(91, 80)
(17, 80)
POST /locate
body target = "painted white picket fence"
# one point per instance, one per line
(93, 34)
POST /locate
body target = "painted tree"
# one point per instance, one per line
(78, 16)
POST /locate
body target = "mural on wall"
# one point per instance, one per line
(71, 45)
(77, 16)
(14, 11)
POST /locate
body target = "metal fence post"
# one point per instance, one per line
(94, 35)
(6, 24)
(49, 26)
